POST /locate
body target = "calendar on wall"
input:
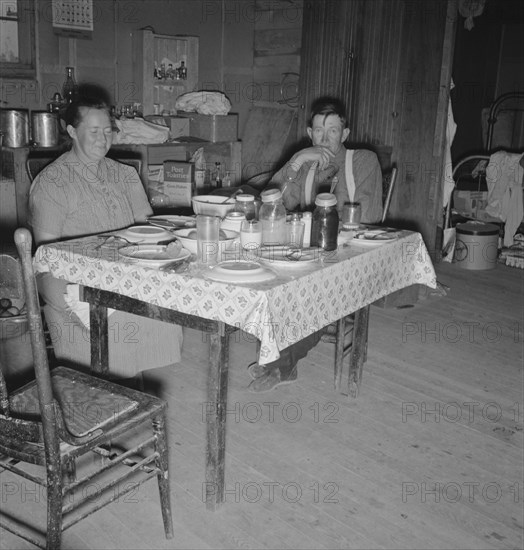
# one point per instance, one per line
(73, 18)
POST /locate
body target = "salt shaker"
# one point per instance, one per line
(306, 220)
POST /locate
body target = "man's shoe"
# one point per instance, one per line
(270, 380)
(256, 371)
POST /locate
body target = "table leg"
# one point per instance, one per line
(99, 339)
(216, 423)
(359, 351)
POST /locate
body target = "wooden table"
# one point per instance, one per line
(303, 299)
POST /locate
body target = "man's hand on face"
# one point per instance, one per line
(318, 153)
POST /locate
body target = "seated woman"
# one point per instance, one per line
(83, 193)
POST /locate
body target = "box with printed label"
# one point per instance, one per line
(178, 171)
(171, 184)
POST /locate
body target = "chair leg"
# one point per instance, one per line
(54, 509)
(339, 351)
(358, 354)
(162, 463)
(70, 470)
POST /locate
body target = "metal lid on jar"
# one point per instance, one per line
(244, 197)
(326, 199)
(235, 216)
(271, 195)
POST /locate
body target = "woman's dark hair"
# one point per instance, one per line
(88, 95)
(326, 106)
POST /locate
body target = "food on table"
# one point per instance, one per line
(174, 249)
(193, 235)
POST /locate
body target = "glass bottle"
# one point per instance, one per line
(218, 175)
(182, 71)
(324, 231)
(56, 103)
(69, 88)
(272, 216)
(246, 204)
(295, 230)
(226, 182)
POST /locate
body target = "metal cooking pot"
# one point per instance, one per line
(44, 126)
(14, 125)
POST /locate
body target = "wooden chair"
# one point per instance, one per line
(34, 165)
(388, 184)
(135, 163)
(341, 332)
(49, 426)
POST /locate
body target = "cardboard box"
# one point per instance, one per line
(171, 184)
(472, 204)
(169, 195)
(178, 126)
(213, 127)
(178, 171)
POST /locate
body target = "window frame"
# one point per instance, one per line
(25, 68)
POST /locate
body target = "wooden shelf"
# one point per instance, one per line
(150, 48)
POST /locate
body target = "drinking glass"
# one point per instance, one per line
(351, 214)
(251, 234)
(295, 233)
(208, 230)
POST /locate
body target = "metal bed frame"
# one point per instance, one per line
(495, 108)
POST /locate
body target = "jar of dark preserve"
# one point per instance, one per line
(246, 204)
(324, 228)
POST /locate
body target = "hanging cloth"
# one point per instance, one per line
(470, 9)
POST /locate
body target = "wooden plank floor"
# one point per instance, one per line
(430, 455)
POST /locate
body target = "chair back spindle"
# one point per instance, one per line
(24, 243)
(387, 201)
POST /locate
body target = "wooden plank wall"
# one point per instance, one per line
(277, 43)
(330, 35)
(378, 62)
(414, 206)
(357, 49)
(384, 59)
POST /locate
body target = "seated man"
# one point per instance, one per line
(300, 179)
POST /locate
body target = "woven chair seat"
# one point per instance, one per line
(86, 407)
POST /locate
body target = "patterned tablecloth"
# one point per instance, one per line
(279, 312)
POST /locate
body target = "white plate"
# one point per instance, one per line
(375, 237)
(287, 258)
(152, 254)
(233, 271)
(172, 222)
(145, 234)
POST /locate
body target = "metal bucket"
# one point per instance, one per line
(14, 125)
(44, 126)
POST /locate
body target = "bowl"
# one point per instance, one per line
(213, 205)
(187, 236)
